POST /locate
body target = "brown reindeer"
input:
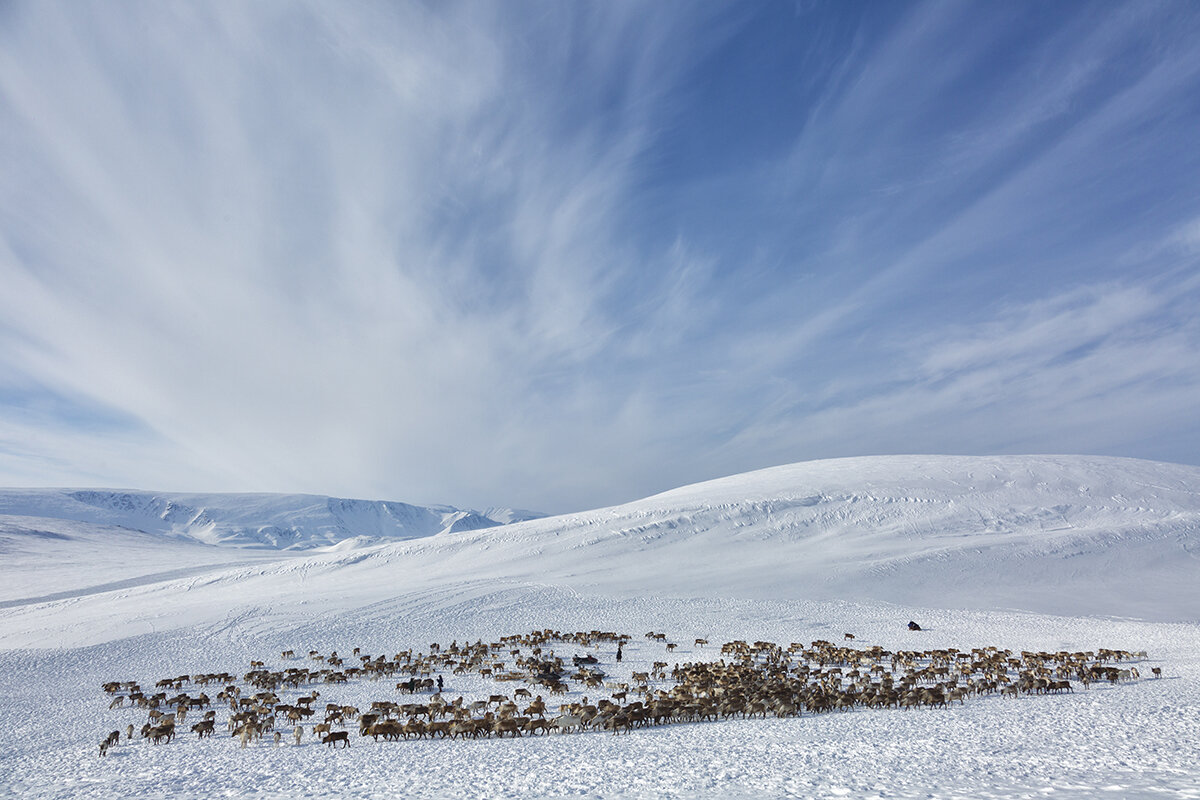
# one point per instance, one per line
(162, 733)
(503, 726)
(390, 730)
(337, 736)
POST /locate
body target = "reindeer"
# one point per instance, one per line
(112, 740)
(246, 733)
(337, 736)
(535, 725)
(565, 723)
(162, 733)
(503, 726)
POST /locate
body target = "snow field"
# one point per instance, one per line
(1041, 553)
(49, 559)
(1124, 741)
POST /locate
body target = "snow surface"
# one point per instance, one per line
(1026, 553)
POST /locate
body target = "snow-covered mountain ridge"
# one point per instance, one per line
(274, 521)
(1068, 535)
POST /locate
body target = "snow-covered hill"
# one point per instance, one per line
(276, 521)
(1033, 552)
(1057, 534)
(1053, 534)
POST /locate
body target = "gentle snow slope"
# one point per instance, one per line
(1061, 535)
(787, 554)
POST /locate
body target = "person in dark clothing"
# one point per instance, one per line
(618, 651)
(440, 683)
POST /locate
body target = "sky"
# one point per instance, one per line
(560, 255)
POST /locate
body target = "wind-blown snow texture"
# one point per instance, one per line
(1041, 553)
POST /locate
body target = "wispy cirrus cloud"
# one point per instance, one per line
(563, 255)
(1104, 365)
(300, 232)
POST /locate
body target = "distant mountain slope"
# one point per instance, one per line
(272, 521)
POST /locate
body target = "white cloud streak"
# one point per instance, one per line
(394, 250)
(330, 251)
(1104, 366)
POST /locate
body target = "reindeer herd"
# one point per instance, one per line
(743, 680)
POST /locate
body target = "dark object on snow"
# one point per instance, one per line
(546, 670)
(588, 659)
(912, 626)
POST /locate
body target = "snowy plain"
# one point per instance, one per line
(1025, 553)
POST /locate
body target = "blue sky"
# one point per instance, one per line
(561, 255)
